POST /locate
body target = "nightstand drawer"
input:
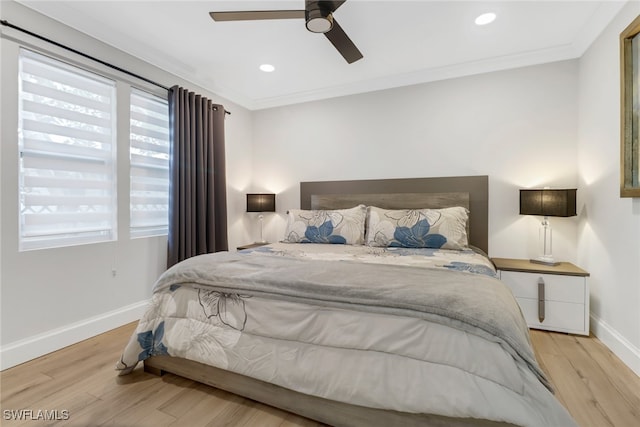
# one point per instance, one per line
(564, 298)
(559, 316)
(571, 289)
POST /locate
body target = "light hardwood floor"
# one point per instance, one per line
(590, 381)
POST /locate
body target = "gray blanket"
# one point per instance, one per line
(474, 303)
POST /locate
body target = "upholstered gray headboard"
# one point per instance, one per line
(471, 192)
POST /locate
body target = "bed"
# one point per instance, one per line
(378, 307)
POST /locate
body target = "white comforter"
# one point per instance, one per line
(372, 359)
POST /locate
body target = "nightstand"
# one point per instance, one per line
(551, 298)
(251, 245)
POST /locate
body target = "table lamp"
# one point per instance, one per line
(547, 202)
(263, 202)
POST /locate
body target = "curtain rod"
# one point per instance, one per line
(93, 58)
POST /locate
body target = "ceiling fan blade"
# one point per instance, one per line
(257, 15)
(343, 43)
(333, 5)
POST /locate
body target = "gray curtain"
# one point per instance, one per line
(197, 190)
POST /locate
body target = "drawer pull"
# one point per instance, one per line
(541, 299)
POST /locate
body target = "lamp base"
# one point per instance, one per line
(545, 261)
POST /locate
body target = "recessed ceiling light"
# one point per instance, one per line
(267, 68)
(485, 18)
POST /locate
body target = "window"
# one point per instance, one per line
(67, 180)
(149, 155)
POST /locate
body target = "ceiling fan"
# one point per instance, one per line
(318, 16)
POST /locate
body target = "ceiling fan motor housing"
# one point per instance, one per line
(319, 20)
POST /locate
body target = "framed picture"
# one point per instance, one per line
(630, 110)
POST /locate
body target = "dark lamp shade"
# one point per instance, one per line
(261, 202)
(547, 202)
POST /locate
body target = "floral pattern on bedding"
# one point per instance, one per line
(471, 268)
(227, 307)
(151, 343)
(322, 234)
(177, 324)
(466, 260)
(417, 236)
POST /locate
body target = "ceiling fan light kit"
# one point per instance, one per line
(318, 16)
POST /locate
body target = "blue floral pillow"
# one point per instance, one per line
(418, 228)
(342, 226)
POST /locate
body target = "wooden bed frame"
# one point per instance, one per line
(471, 192)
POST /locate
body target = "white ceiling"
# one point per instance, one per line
(403, 42)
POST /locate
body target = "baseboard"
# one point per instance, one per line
(30, 348)
(619, 345)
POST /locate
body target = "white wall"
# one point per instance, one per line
(51, 298)
(519, 127)
(609, 232)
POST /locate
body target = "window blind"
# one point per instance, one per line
(67, 154)
(149, 158)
